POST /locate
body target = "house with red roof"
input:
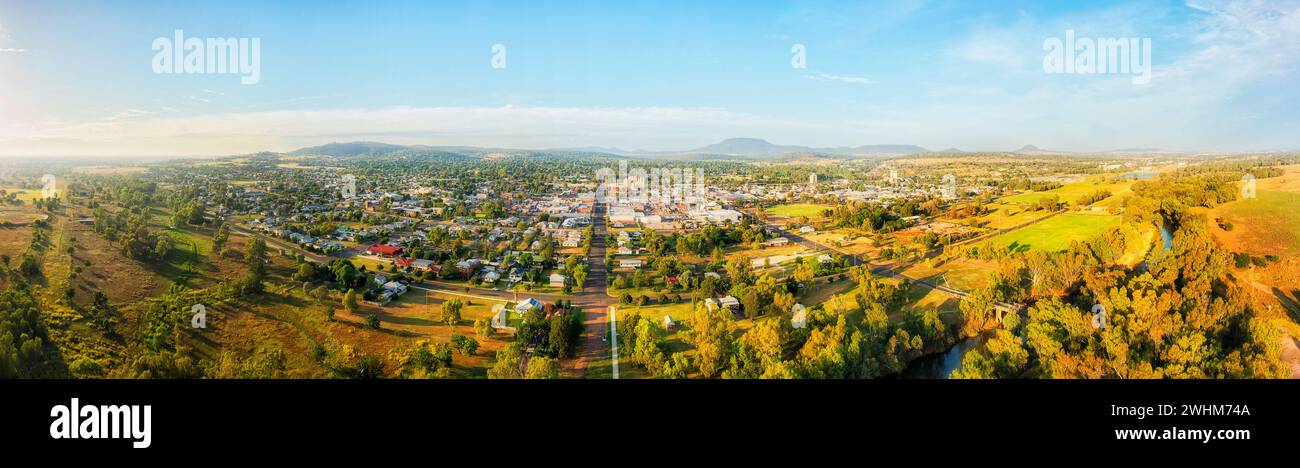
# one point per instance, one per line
(385, 250)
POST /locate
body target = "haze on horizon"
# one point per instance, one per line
(647, 76)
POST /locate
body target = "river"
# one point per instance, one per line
(941, 365)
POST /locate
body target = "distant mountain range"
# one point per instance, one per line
(731, 148)
(1034, 150)
(758, 147)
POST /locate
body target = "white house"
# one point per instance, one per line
(629, 263)
(396, 288)
(490, 277)
(777, 242)
(558, 280)
(729, 302)
(669, 324)
(807, 230)
(528, 304)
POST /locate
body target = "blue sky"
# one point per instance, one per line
(657, 75)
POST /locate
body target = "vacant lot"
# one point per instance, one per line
(796, 210)
(1266, 225)
(1058, 232)
(959, 274)
(1005, 216)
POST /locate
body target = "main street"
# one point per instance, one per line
(593, 300)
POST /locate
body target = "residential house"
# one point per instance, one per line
(528, 304)
(385, 250)
(777, 242)
(394, 287)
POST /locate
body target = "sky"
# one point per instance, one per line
(80, 78)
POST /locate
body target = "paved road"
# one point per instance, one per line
(593, 300)
(271, 241)
(892, 270)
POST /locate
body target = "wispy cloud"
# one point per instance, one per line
(137, 133)
(823, 76)
(128, 113)
(293, 100)
(12, 50)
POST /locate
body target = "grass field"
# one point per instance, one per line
(822, 292)
(960, 274)
(1074, 191)
(28, 195)
(1267, 224)
(1007, 215)
(1058, 232)
(796, 210)
(924, 300)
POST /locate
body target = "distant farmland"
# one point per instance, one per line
(1074, 191)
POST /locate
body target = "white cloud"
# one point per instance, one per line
(12, 50)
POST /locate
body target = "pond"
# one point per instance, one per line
(1139, 175)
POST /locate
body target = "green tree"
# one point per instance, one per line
(451, 311)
